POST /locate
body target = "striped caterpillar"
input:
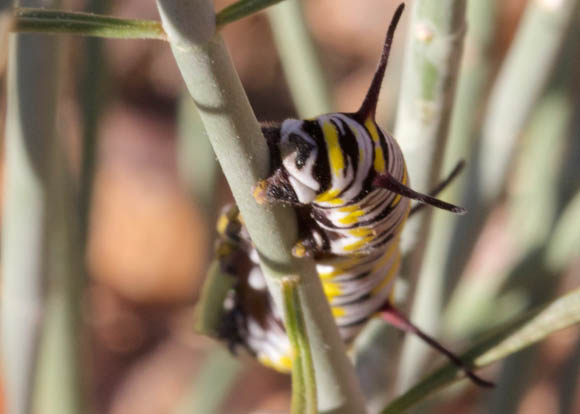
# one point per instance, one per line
(347, 179)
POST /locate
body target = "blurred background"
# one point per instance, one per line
(153, 212)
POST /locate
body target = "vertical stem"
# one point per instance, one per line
(61, 347)
(38, 243)
(434, 284)
(92, 99)
(243, 154)
(196, 161)
(29, 133)
(60, 354)
(300, 61)
(430, 74)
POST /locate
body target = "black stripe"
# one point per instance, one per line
(321, 165)
(358, 300)
(350, 150)
(355, 323)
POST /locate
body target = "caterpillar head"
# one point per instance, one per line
(298, 153)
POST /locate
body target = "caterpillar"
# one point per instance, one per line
(347, 180)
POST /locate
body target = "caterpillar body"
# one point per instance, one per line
(348, 181)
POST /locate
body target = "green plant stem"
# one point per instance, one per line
(434, 283)
(40, 262)
(474, 81)
(61, 347)
(30, 130)
(522, 332)
(303, 381)
(244, 157)
(299, 57)
(40, 20)
(430, 73)
(196, 161)
(85, 24)
(563, 247)
(92, 101)
(241, 9)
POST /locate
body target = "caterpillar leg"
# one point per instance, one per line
(441, 186)
(392, 316)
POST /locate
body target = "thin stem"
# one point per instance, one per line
(303, 381)
(241, 9)
(435, 281)
(40, 255)
(85, 24)
(243, 154)
(430, 74)
(30, 101)
(299, 57)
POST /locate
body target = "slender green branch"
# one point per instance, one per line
(430, 74)
(33, 20)
(243, 154)
(85, 24)
(30, 132)
(512, 337)
(435, 282)
(41, 303)
(241, 9)
(303, 381)
(306, 79)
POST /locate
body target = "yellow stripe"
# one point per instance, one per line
(348, 209)
(222, 224)
(335, 201)
(331, 290)
(327, 195)
(357, 245)
(404, 180)
(351, 218)
(372, 128)
(361, 232)
(286, 363)
(398, 197)
(299, 250)
(340, 269)
(396, 200)
(379, 162)
(334, 151)
(338, 311)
